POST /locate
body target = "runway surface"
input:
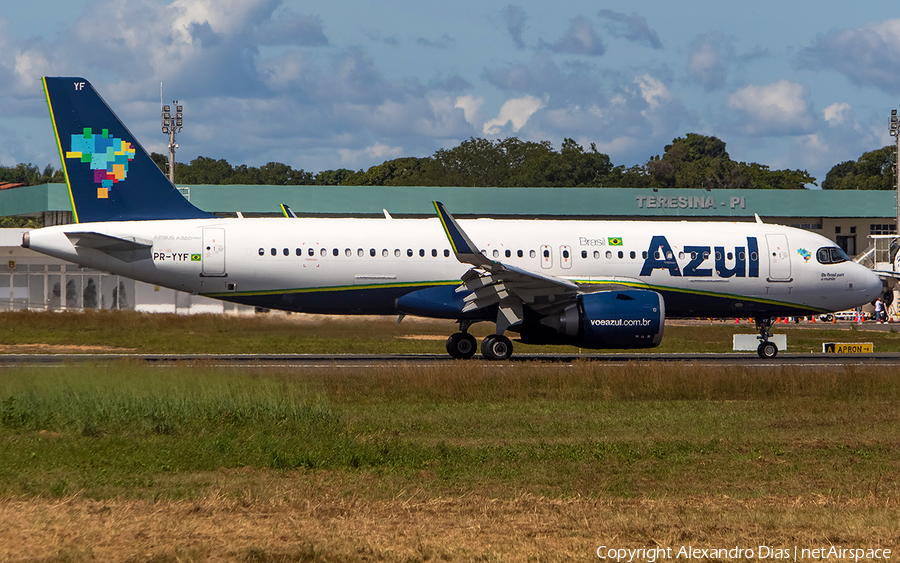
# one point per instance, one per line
(387, 360)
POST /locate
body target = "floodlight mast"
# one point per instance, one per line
(171, 124)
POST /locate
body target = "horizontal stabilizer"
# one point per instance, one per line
(108, 243)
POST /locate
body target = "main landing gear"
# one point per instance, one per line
(766, 348)
(462, 345)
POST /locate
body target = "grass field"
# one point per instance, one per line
(99, 331)
(472, 461)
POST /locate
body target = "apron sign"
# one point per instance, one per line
(847, 348)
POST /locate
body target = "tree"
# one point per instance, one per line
(700, 161)
(873, 170)
(30, 175)
(333, 177)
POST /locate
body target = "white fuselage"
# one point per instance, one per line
(360, 266)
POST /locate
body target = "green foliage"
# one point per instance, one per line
(692, 161)
(30, 175)
(204, 170)
(21, 222)
(700, 161)
(872, 171)
(333, 177)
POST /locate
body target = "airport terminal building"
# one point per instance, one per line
(29, 280)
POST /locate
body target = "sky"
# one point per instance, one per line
(350, 84)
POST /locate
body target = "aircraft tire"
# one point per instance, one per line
(462, 345)
(496, 347)
(767, 350)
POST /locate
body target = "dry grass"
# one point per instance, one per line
(305, 521)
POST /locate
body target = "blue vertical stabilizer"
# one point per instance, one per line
(109, 174)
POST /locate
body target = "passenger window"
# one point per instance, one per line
(608, 254)
(621, 255)
(741, 256)
(397, 252)
(532, 253)
(273, 252)
(508, 253)
(596, 254)
(519, 253)
(312, 252)
(584, 253)
(434, 252)
(335, 252)
(286, 252)
(372, 252)
(730, 256)
(262, 251)
(632, 254)
(681, 255)
(565, 254)
(348, 252)
(644, 255)
(323, 253)
(446, 253)
(421, 253)
(546, 254)
(360, 252)
(718, 255)
(496, 253)
(385, 253)
(409, 252)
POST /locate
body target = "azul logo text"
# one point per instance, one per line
(743, 260)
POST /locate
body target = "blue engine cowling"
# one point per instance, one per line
(606, 319)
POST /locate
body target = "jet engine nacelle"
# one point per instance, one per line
(610, 319)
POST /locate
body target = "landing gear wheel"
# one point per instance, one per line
(767, 350)
(462, 345)
(496, 347)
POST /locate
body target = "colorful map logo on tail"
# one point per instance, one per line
(107, 155)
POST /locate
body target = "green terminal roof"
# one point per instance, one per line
(605, 202)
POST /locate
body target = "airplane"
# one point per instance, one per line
(592, 284)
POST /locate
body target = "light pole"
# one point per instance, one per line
(171, 124)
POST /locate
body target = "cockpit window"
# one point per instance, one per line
(831, 255)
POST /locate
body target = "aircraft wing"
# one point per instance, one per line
(492, 282)
(886, 274)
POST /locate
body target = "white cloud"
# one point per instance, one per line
(471, 107)
(652, 90)
(378, 151)
(516, 111)
(867, 55)
(836, 113)
(773, 109)
(707, 60)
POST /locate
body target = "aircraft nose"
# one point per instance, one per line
(874, 285)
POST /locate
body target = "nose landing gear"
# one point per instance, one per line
(766, 348)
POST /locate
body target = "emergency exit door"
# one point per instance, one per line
(213, 252)
(779, 258)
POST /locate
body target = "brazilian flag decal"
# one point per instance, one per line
(615, 241)
(195, 257)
